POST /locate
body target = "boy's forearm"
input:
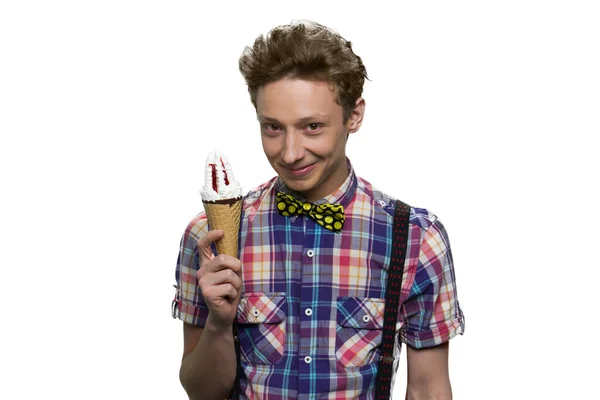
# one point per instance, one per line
(437, 391)
(208, 372)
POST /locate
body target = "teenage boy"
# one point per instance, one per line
(307, 294)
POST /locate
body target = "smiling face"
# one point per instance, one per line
(304, 135)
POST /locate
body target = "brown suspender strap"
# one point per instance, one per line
(383, 381)
(235, 392)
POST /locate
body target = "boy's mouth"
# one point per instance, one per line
(301, 170)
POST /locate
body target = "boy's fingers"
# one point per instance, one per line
(223, 261)
(204, 243)
(225, 276)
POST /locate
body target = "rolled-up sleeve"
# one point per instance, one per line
(431, 314)
(188, 305)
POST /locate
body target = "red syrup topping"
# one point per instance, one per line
(214, 177)
(224, 171)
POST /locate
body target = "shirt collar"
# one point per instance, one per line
(342, 195)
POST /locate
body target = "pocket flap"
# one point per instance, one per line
(360, 312)
(262, 308)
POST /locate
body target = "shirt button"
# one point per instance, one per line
(308, 359)
(310, 253)
(255, 312)
(366, 319)
(308, 312)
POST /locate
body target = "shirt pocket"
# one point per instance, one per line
(261, 321)
(359, 330)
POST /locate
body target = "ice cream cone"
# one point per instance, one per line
(222, 199)
(225, 215)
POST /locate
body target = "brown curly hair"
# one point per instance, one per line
(305, 50)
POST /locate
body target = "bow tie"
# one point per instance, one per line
(330, 216)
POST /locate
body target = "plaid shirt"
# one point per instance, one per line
(311, 314)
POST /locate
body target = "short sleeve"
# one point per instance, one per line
(431, 313)
(188, 305)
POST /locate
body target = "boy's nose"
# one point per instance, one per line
(293, 149)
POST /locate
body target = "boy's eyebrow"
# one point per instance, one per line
(303, 120)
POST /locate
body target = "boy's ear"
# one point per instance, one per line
(357, 115)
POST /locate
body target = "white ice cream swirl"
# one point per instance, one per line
(218, 173)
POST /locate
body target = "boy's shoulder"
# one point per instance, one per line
(421, 217)
(197, 227)
(256, 195)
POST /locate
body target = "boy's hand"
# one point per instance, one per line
(220, 281)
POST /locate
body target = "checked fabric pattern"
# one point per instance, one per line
(360, 324)
(313, 304)
(329, 216)
(261, 327)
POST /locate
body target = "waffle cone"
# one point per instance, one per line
(226, 217)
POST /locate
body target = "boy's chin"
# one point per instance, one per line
(296, 186)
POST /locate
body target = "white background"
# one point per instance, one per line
(484, 112)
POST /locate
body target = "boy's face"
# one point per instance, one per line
(304, 136)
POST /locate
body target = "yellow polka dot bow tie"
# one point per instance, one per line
(330, 216)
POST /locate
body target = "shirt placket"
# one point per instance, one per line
(307, 360)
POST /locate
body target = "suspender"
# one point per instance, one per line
(392, 297)
(235, 393)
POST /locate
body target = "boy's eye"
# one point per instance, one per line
(313, 127)
(271, 127)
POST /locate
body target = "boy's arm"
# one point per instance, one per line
(431, 317)
(209, 362)
(208, 366)
(428, 377)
